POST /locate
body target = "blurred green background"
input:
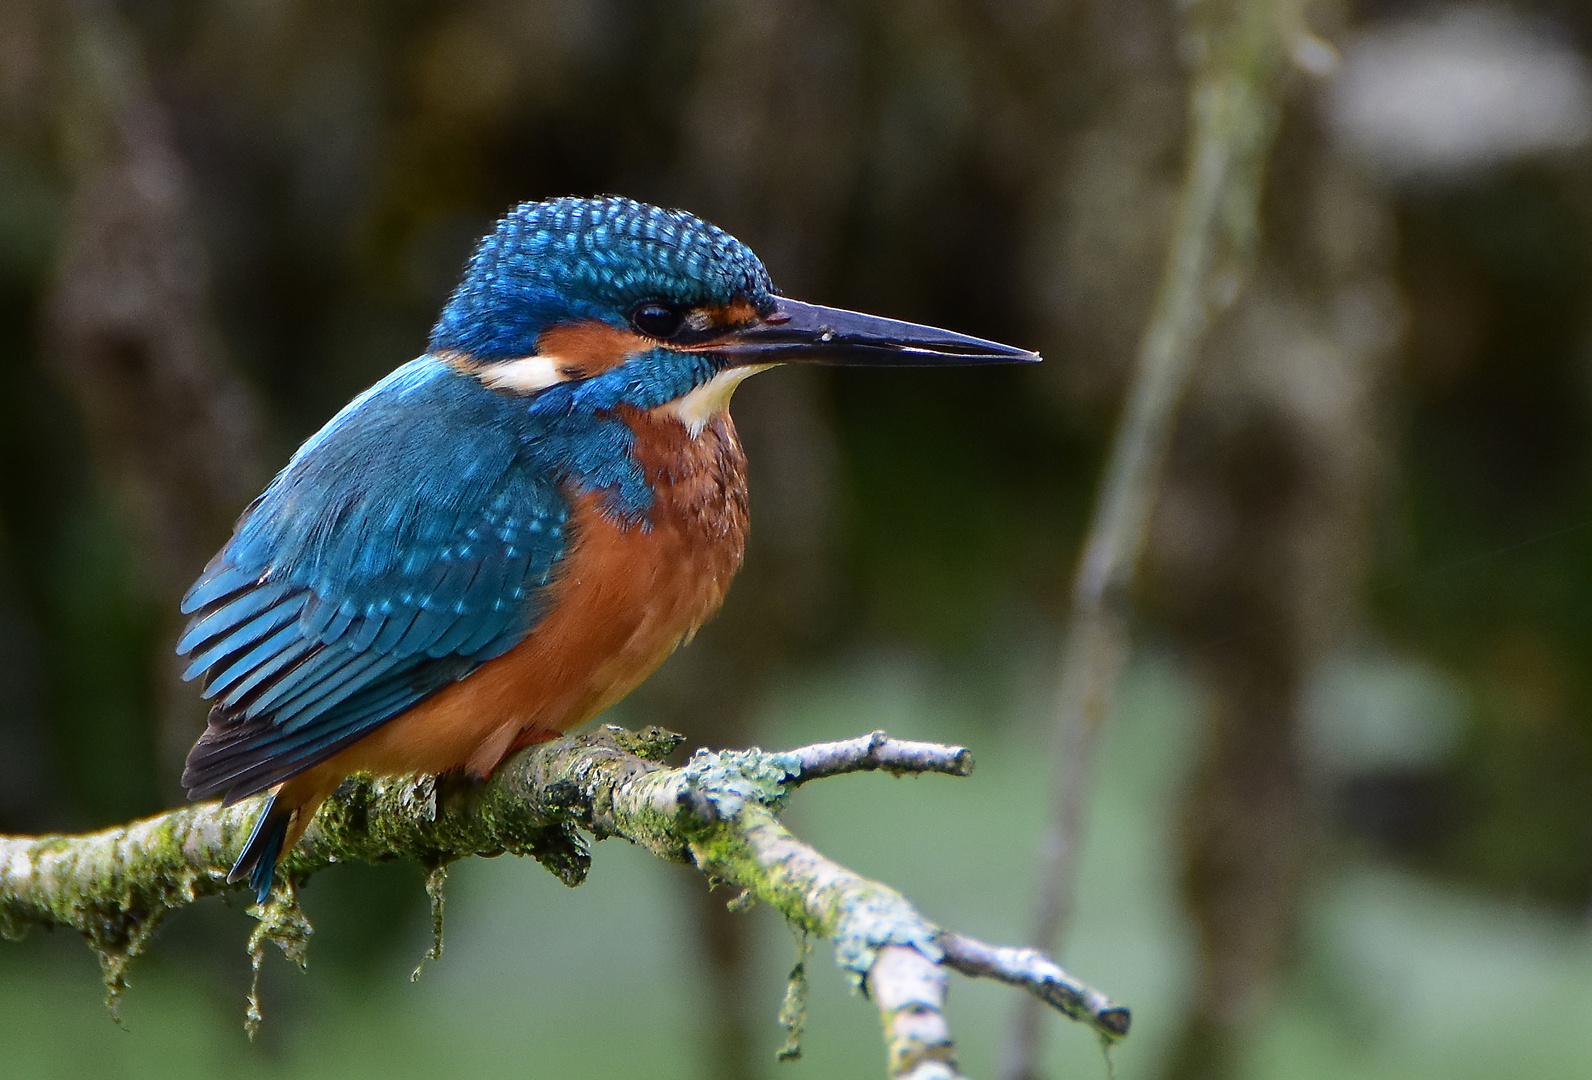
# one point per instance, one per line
(1341, 825)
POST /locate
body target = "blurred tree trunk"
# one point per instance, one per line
(128, 332)
(30, 796)
(1261, 546)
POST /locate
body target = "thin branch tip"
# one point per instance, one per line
(1042, 977)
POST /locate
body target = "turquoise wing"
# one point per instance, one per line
(406, 544)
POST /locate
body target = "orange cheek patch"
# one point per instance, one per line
(737, 312)
(584, 349)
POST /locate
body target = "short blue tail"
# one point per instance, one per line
(258, 860)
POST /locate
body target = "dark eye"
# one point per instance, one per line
(661, 321)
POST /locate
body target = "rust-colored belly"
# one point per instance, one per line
(623, 599)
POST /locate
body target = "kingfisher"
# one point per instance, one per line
(505, 536)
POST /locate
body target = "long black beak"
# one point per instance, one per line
(796, 332)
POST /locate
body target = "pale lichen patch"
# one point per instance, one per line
(19, 866)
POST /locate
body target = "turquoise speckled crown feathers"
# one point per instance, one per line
(570, 259)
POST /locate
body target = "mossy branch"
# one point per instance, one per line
(719, 812)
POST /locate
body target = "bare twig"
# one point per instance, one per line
(1232, 122)
(877, 751)
(718, 811)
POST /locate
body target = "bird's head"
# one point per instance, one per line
(633, 304)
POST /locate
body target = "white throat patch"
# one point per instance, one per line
(695, 409)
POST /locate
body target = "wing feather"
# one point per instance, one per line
(209, 624)
(257, 665)
(219, 581)
(246, 636)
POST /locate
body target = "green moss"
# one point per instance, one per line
(283, 923)
(793, 1010)
(436, 883)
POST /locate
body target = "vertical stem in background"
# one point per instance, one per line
(1232, 120)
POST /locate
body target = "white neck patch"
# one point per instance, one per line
(524, 375)
(695, 409)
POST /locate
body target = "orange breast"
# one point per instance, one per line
(622, 600)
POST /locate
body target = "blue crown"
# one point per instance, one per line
(571, 259)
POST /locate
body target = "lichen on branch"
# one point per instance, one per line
(718, 811)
